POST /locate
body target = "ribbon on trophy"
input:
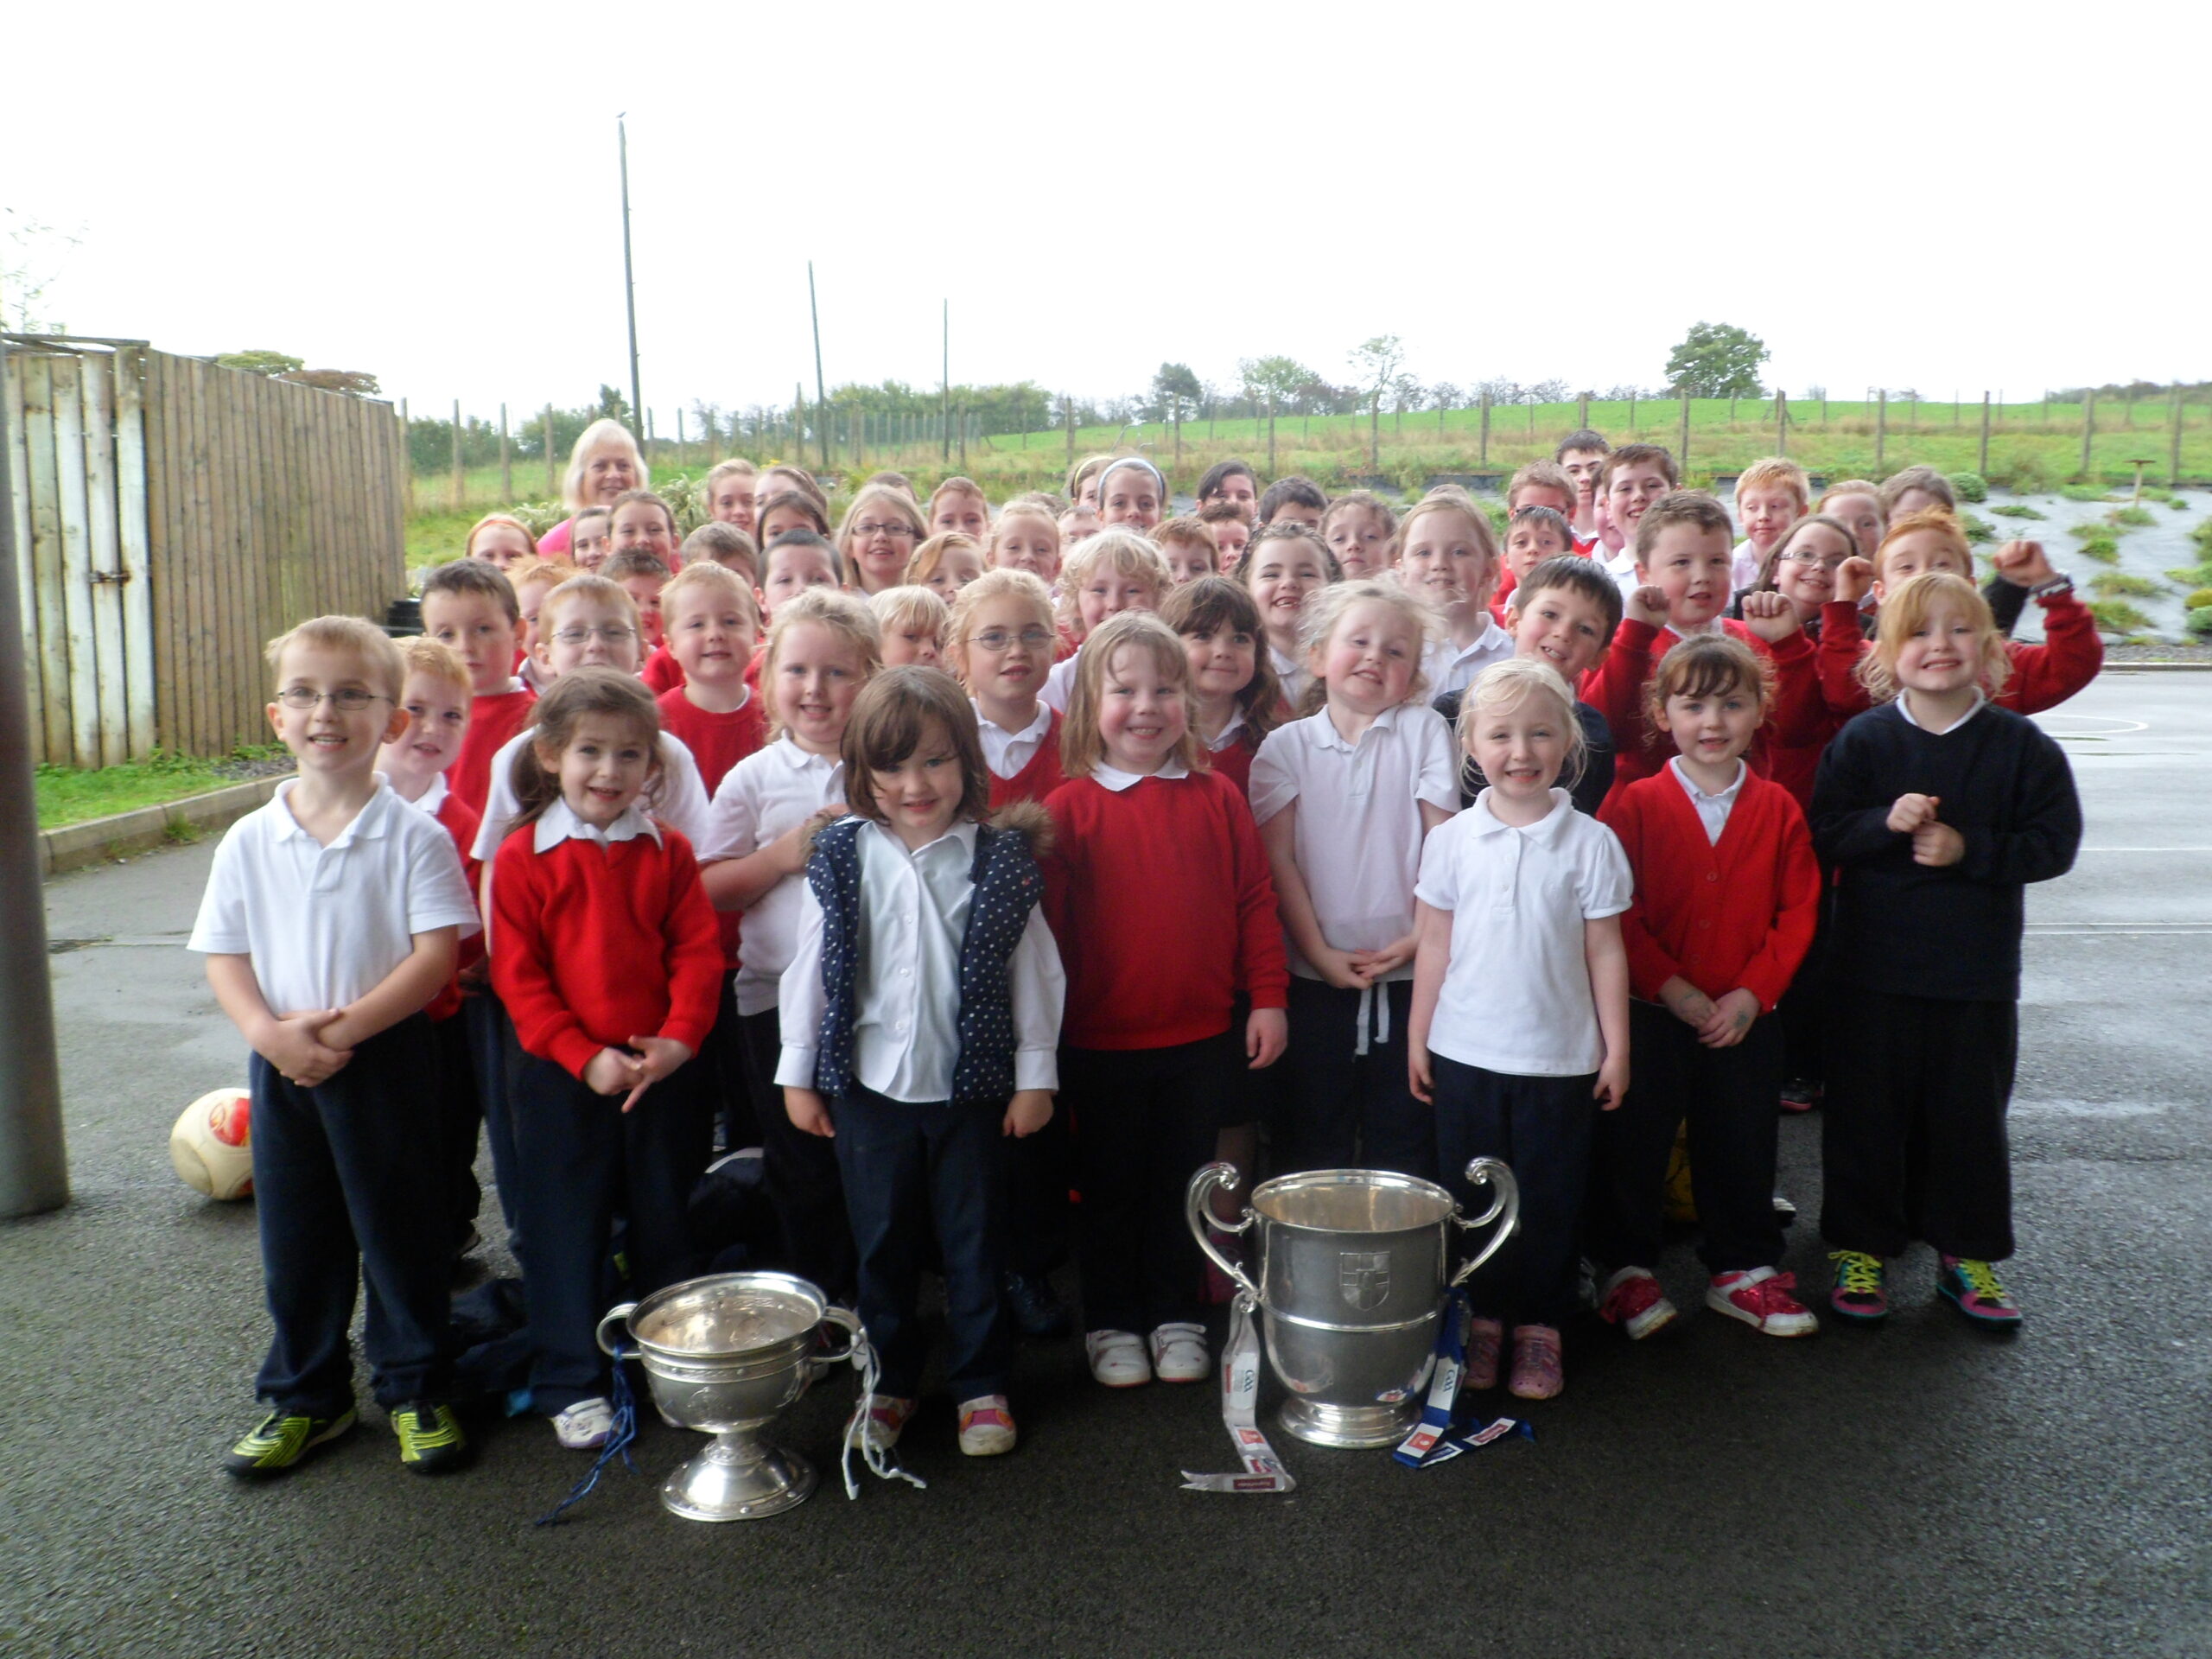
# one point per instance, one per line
(882, 1461)
(1420, 1448)
(1240, 1398)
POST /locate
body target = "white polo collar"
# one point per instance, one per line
(370, 823)
(1549, 828)
(1904, 708)
(961, 834)
(1331, 738)
(784, 749)
(1115, 779)
(557, 823)
(1222, 739)
(1725, 798)
(1037, 727)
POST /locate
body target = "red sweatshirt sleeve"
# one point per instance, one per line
(1843, 643)
(1797, 892)
(694, 949)
(1649, 964)
(1262, 968)
(1615, 687)
(522, 966)
(1800, 717)
(2044, 676)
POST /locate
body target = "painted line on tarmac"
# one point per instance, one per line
(2143, 850)
(2118, 930)
(2088, 1109)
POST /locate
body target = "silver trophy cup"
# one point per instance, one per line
(1353, 1267)
(724, 1355)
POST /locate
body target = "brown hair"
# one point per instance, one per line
(1541, 475)
(804, 482)
(717, 542)
(738, 468)
(1925, 479)
(1906, 611)
(631, 562)
(809, 505)
(630, 498)
(599, 589)
(1706, 666)
(1083, 748)
(889, 720)
(1578, 575)
(958, 486)
(931, 554)
(477, 576)
(1692, 507)
(1331, 571)
(1192, 531)
(1770, 566)
(1638, 454)
(553, 727)
(1360, 501)
(842, 614)
(1216, 604)
(1081, 473)
(365, 639)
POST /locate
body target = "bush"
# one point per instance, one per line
(2201, 533)
(2015, 510)
(2199, 600)
(2178, 503)
(2199, 621)
(2192, 575)
(2085, 492)
(1970, 487)
(1978, 530)
(2117, 616)
(2133, 517)
(2098, 544)
(2113, 584)
(2023, 471)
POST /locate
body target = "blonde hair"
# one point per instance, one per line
(897, 607)
(993, 584)
(504, 519)
(1026, 507)
(1906, 611)
(895, 501)
(423, 655)
(958, 486)
(716, 579)
(1503, 684)
(1776, 473)
(931, 554)
(846, 615)
(1854, 487)
(739, 467)
(1123, 551)
(541, 568)
(1540, 475)
(601, 434)
(1935, 519)
(366, 641)
(1083, 748)
(599, 590)
(1324, 611)
(1446, 497)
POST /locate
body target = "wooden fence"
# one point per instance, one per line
(173, 515)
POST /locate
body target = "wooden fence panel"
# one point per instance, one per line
(134, 593)
(19, 469)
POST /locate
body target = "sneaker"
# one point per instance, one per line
(1784, 1211)
(1971, 1287)
(1800, 1095)
(1536, 1374)
(985, 1426)
(1634, 1301)
(279, 1442)
(430, 1440)
(1179, 1354)
(586, 1426)
(1761, 1299)
(1485, 1337)
(886, 1419)
(1037, 1312)
(1117, 1358)
(1858, 1295)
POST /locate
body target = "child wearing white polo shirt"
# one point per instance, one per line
(331, 920)
(1344, 799)
(1520, 1029)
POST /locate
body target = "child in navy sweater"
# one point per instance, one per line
(607, 956)
(921, 1014)
(1936, 807)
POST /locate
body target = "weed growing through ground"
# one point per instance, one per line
(2016, 510)
(2116, 584)
(2117, 616)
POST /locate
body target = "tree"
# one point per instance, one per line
(1276, 380)
(1716, 360)
(1176, 392)
(31, 259)
(271, 364)
(354, 383)
(1377, 360)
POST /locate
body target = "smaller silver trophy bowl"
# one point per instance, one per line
(1354, 1267)
(725, 1354)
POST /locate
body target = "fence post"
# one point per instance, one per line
(2173, 465)
(552, 478)
(506, 462)
(1682, 440)
(1631, 415)
(460, 487)
(1482, 458)
(1067, 418)
(1582, 414)
(1824, 408)
(679, 437)
(407, 452)
(1881, 428)
(1982, 466)
(2088, 429)
(1781, 421)
(1732, 410)
(963, 437)
(1271, 436)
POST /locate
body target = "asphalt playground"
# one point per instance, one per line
(1919, 1490)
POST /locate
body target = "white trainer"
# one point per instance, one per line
(586, 1426)
(1117, 1358)
(1179, 1354)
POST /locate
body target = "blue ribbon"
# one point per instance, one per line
(618, 1443)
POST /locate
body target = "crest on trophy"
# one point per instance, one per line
(1363, 1278)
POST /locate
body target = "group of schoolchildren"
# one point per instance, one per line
(962, 857)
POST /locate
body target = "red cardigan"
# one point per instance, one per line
(2042, 676)
(1159, 899)
(493, 718)
(662, 673)
(1615, 689)
(1235, 762)
(1739, 911)
(597, 945)
(460, 822)
(1037, 777)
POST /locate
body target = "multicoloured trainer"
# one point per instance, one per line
(1634, 1301)
(430, 1440)
(280, 1443)
(886, 1419)
(1971, 1287)
(1858, 1295)
(1484, 1339)
(985, 1426)
(1536, 1371)
(1761, 1298)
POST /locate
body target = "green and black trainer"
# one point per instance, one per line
(279, 1442)
(430, 1440)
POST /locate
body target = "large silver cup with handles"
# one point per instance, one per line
(1353, 1267)
(725, 1354)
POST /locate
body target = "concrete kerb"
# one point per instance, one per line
(77, 845)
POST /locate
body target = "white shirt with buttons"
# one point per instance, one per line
(1712, 810)
(765, 795)
(326, 925)
(1007, 753)
(1450, 667)
(680, 799)
(913, 914)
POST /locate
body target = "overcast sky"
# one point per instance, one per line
(1945, 196)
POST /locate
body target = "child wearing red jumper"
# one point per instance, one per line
(470, 606)
(609, 962)
(999, 644)
(1726, 893)
(1683, 559)
(1159, 896)
(1238, 699)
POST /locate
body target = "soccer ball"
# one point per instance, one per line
(212, 1145)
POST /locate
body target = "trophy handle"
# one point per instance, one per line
(834, 1314)
(1222, 1175)
(1505, 1202)
(615, 1316)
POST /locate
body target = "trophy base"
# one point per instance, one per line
(1351, 1427)
(738, 1479)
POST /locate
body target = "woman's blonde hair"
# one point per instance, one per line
(1122, 550)
(1326, 610)
(874, 497)
(1083, 748)
(602, 434)
(553, 720)
(1907, 609)
(846, 615)
(1503, 684)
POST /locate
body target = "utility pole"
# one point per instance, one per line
(820, 392)
(34, 1161)
(630, 282)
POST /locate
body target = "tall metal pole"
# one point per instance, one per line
(821, 391)
(945, 385)
(630, 282)
(34, 1162)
